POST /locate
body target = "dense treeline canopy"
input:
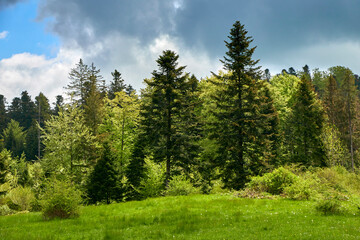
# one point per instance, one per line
(115, 144)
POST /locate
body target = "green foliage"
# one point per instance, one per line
(116, 85)
(70, 149)
(5, 210)
(180, 185)
(168, 118)
(5, 159)
(120, 125)
(304, 142)
(237, 127)
(335, 149)
(274, 182)
(152, 185)
(329, 207)
(14, 138)
(304, 188)
(283, 88)
(22, 197)
(104, 183)
(60, 200)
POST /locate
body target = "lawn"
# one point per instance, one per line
(188, 217)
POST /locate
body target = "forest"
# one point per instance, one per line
(236, 130)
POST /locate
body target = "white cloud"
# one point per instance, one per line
(36, 74)
(136, 61)
(4, 34)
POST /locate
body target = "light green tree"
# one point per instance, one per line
(70, 148)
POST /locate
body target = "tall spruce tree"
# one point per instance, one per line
(28, 110)
(117, 84)
(58, 104)
(306, 123)
(237, 119)
(166, 115)
(103, 179)
(78, 76)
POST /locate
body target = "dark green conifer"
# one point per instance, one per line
(236, 129)
(307, 119)
(103, 182)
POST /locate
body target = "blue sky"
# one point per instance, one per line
(46, 38)
(25, 33)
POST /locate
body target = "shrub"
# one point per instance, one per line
(274, 182)
(22, 197)
(330, 206)
(180, 185)
(153, 183)
(5, 210)
(61, 200)
(304, 188)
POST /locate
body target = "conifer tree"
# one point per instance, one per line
(166, 115)
(3, 114)
(28, 110)
(103, 179)
(78, 77)
(331, 100)
(58, 104)
(350, 100)
(268, 122)
(236, 127)
(306, 122)
(14, 138)
(117, 85)
(93, 105)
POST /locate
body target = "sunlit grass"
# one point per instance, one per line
(192, 217)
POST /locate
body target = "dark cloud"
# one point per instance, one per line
(278, 27)
(275, 24)
(8, 3)
(87, 20)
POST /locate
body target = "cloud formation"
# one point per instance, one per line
(130, 35)
(3, 34)
(8, 3)
(35, 74)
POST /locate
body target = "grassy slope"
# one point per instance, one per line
(192, 217)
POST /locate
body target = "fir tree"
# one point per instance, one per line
(58, 104)
(78, 77)
(117, 85)
(307, 119)
(166, 115)
(237, 124)
(28, 110)
(103, 180)
(3, 114)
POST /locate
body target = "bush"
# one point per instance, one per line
(61, 200)
(330, 206)
(304, 188)
(22, 197)
(153, 183)
(180, 185)
(5, 210)
(274, 182)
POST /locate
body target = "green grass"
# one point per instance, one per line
(191, 217)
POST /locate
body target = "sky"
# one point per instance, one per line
(41, 40)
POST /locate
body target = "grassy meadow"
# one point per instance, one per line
(189, 217)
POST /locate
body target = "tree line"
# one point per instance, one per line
(116, 144)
